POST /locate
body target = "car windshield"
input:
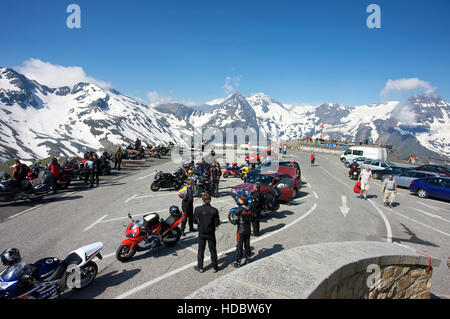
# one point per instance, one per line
(12, 271)
(263, 179)
(391, 164)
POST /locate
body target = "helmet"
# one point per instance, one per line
(175, 211)
(234, 164)
(10, 256)
(292, 163)
(232, 216)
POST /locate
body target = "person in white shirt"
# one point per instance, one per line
(365, 177)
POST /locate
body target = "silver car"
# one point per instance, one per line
(404, 179)
(375, 164)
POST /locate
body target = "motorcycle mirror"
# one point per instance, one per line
(129, 216)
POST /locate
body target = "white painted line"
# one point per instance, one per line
(25, 211)
(386, 222)
(146, 176)
(431, 215)
(427, 205)
(95, 223)
(131, 198)
(315, 195)
(176, 271)
(134, 215)
(68, 194)
(153, 195)
(420, 223)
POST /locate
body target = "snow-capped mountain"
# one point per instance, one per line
(418, 126)
(38, 121)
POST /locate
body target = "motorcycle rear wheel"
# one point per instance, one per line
(124, 253)
(91, 271)
(225, 175)
(174, 236)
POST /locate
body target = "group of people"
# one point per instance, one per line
(389, 186)
(207, 218)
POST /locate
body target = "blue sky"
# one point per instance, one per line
(295, 51)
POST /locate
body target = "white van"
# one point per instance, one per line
(376, 153)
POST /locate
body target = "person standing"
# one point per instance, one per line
(257, 206)
(96, 169)
(244, 222)
(365, 177)
(207, 219)
(187, 205)
(215, 174)
(20, 173)
(118, 158)
(389, 189)
(313, 158)
(55, 168)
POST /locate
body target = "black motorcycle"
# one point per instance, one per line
(35, 189)
(271, 201)
(168, 180)
(202, 184)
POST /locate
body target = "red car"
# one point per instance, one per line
(285, 177)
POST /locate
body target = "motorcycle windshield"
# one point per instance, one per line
(136, 224)
(12, 271)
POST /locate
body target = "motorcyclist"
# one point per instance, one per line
(187, 205)
(20, 172)
(55, 168)
(137, 144)
(244, 219)
(257, 205)
(215, 173)
(118, 158)
(353, 168)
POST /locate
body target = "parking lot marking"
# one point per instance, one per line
(25, 211)
(131, 198)
(95, 223)
(432, 207)
(152, 195)
(386, 222)
(315, 195)
(417, 222)
(190, 265)
(146, 176)
(431, 215)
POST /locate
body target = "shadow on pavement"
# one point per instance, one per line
(101, 283)
(413, 238)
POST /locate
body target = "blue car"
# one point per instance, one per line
(437, 187)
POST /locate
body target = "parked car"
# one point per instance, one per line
(358, 160)
(353, 152)
(376, 165)
(395, 170)
(437, 187)
(443, 170)
(267, 167)
(404, 179)
(285, 179)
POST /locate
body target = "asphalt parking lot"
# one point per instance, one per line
(58, 227)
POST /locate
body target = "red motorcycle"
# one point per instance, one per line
(232, 171)
(150, 233)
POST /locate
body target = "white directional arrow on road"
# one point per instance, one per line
(344, 209)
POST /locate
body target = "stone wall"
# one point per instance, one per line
(394, 282)
(329, 271)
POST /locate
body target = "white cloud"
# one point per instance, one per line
(231, 84)
(155, 98)
(403, 85)
(55, 76)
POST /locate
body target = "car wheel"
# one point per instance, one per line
(376, 175)
(295, 193)
(422, 193)
(343, 160)
(347, 164)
